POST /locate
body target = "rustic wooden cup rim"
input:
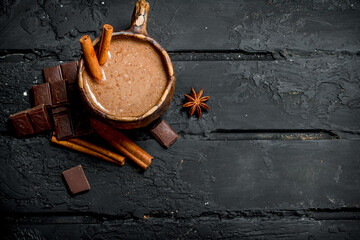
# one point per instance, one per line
(137, 31)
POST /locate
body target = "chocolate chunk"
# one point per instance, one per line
(70, 72)
(58, 92)
(42, 94)
(71, 120)
(59, 110)
(62, 123)
(53, 74)
(79, 115)
(22, 124)
(30, 121)
(164, 134)
(76, 179)
(39, 118)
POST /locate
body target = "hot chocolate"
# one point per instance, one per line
(135, 78)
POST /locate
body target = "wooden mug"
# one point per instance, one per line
(136, 31)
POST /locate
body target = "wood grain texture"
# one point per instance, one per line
(316, 93)
(206, 228)
(277, 156)
(189, 178)
(299, 93)
(303, 27)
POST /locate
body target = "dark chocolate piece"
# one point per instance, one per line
(70, 72)
(79, 116)
(22, 124)
(58, 92)
(53, 74)
(39, 118)
(164, 134)
(71, 119)
(62, 123)
(59, 110)
(71, 122)
(80, 121)
(30, 121)
(76, 180)
(42, 94)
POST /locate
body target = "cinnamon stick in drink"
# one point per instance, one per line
(90, 58)
(122, 143)
(105, 43)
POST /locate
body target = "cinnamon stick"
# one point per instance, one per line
(82, 149)
(122, 143)
(90, 58)
(105, 43)
(98, 149)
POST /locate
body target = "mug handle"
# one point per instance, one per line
(139, 17)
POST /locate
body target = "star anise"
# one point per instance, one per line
(196, 102)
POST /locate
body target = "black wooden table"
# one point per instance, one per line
(277, 156)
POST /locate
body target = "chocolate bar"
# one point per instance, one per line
(39, 118)
(31, 121)
(70, 72)
(53, 74)
(58, 110)
(22, 124)
(61, 94)
(70, 122)
(42, 94)
(76, 180)
(62, 122)
(164, 134)
(58, 92)
(69, 115)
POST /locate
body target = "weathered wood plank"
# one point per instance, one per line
(54, 27)
(204, 228)
(299, 93)
(211, 183)
(316, 93)
(190, 178)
